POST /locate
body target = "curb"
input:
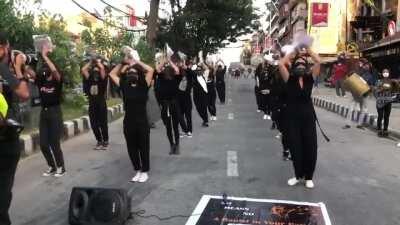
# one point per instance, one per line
(30, 143)
(369, 119)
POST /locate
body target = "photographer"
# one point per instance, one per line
(49, 81)
(299, 76)
(167, 73)
(94, 74)
(12, 88)
(134, 78)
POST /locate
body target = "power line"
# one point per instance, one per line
(119, 10)
(104, 21)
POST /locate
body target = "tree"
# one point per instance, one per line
(152, 22)
(207, 25)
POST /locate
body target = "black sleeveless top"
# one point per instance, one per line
(134, 89)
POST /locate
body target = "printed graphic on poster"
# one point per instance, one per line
(214, 210)
(319, 14)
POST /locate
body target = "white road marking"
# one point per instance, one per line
(232, 164)
(231, 116)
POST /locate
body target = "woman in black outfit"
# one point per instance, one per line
(170, 110)
(264, 76)
(299, 76)
(185, 96)
(134, 79)
(49, 82)
(212, 93)
(200, 94)
(383, 93)
(220, 81)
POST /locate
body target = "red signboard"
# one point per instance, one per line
(319, 14)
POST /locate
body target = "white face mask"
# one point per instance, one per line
(385, 75)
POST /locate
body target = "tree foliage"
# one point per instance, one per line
(206, 24)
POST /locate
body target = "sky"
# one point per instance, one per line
(68, 9)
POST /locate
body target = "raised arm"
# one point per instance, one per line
(149, 72)
(85, 70)
(114, 74)
(316, 69)
(54, 72)
(284, 63)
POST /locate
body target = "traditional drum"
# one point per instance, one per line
(357, 85)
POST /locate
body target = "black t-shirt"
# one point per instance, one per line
(96, 86)
(9, 83)
(134, 89)
(50, 91)
(167, 88)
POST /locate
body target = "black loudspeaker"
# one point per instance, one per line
(99, 206)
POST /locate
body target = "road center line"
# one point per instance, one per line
(232, 164)
(231, 116)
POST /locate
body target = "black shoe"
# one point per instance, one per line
(385, 133)
(346, 127)
(205, 124)
(286, 155)
(177, 151)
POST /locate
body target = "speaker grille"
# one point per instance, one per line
(106, 206)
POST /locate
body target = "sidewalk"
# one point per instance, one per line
(326, 98)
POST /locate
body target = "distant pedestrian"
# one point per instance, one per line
(339, 73)
(220, 80)
(384, 97)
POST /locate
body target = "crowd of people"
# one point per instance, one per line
(174, 78)
(381, 85)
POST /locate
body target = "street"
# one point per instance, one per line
(357, 176)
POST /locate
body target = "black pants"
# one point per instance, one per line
(98, 120)
(265, 104)
(50, 129)
(9, 157)
(185, 104)
(221, 91)
(384, 114)
(171, 116)
(137, 136)
(258, 97)
(302, 138)
(211, 98)
(281, 124)
(200, 101)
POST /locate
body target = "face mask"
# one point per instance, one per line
(385, 75)
(299, 72)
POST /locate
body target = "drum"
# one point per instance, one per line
(357, 85)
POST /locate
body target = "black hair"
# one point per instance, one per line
(3, 38)
(169, 72)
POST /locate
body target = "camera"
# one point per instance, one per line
(132, 78)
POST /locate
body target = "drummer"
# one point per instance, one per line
(360, 102)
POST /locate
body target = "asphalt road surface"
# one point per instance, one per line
(357, 175)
